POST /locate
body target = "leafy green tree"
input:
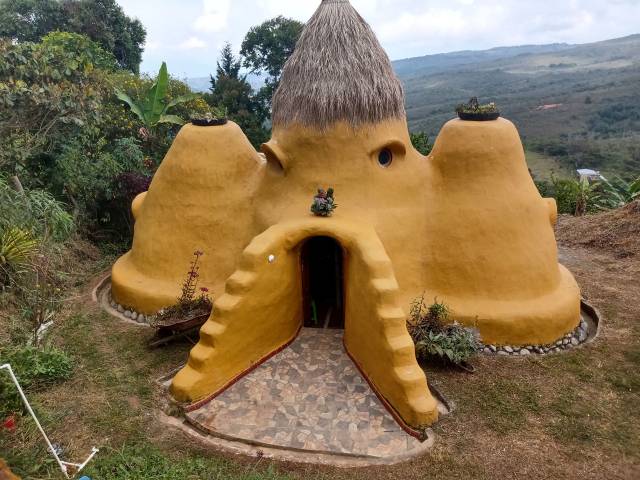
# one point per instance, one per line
(267, 47)
(30, 20)
(231, 92)
(48, 92)
(154, 108)
(103, 21)
(420, 141)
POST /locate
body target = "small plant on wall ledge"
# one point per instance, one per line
(474, 111)
(216, 117)
(323, 203)
(191, 304)
(435, 337)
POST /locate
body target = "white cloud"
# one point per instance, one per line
(406, 28)
(214, 16)
(192, 43)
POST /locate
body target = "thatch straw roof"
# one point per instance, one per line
(338, 72)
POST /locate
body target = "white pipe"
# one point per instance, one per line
(61, 464)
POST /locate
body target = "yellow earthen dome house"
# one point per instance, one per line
(465, 225)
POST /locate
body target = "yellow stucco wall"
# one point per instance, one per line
(465, 225)
(262, 310)
(200, 199)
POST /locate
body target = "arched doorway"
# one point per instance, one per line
(321, 263)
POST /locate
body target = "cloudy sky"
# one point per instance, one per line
(188, 34)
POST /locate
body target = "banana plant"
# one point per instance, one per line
(153, 108)
(620, 192)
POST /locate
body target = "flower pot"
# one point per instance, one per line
(478, 116)
(206, 122)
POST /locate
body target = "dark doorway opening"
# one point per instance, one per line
(322, 283)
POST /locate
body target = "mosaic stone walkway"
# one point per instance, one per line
(309, 397)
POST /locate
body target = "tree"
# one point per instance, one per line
(267, 47)
(231, 91)
(103, 21)
(48, 92)
(30, 20)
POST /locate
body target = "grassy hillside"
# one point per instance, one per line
(578, 105)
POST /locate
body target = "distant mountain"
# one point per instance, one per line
(579, 104)
(444, 61)
(202, 84)
(576, 106)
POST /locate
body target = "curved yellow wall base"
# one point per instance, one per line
(200, 199)
(490, 248)
(261, 311)
(465, 225)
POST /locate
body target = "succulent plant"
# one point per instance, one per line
(323, 203)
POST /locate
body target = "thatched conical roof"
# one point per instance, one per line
(338, 72)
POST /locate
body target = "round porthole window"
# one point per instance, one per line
(385, 157)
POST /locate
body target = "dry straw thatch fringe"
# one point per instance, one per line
(338, 72)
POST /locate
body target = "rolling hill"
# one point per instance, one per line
(575, 105)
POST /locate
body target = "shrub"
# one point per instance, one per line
(189, 305)
(38, 294)
(35, 369)
(16, 248)
(434, 336)
(35, 211)
(420, 142)
(576, 197)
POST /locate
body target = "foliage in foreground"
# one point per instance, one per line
(434, 336)
(36, 370)
(143, 463)
(35, 211)
(580, 197)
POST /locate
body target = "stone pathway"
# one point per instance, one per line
(309, 397)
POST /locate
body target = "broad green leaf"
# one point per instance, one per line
(135, 108)
(171, 119)
(155, 105)
(182, 99)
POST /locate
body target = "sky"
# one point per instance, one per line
(188, 34)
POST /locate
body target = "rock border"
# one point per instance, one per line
(128, 312)
(585, 332)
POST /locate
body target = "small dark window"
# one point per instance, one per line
(385, 157)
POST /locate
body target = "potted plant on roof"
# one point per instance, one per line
(474, 111)
(216, 117)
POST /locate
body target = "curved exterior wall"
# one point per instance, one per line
(465, 225)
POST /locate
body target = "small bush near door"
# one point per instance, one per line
(435, 336)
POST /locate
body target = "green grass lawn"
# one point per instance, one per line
(573, 415)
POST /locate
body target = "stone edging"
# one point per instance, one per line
(585, 332)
